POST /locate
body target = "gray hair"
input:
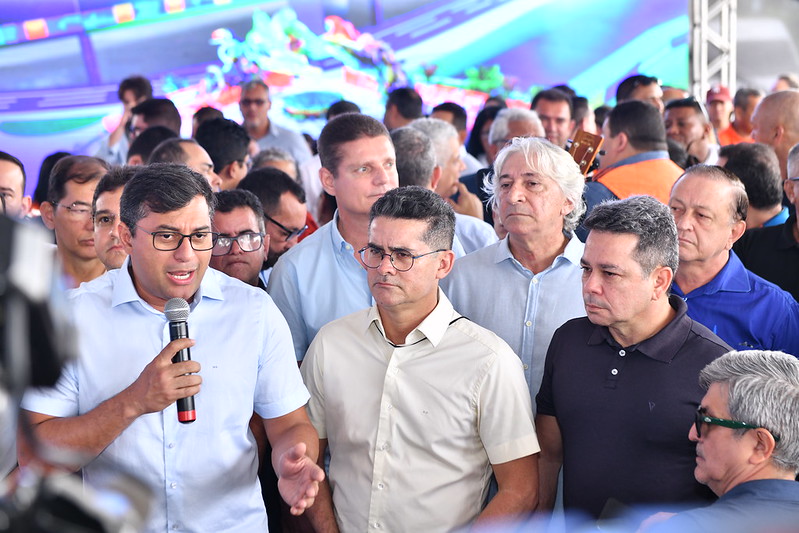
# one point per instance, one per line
(499, 128)
(273, 153)
(439, 131)
(547, 160)
(417, 203)
(646, 218)
(763, 391)
(416, 158)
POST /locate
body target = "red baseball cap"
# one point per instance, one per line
(718, 92)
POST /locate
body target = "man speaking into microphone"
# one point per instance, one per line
(116, 404)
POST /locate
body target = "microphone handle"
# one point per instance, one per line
(186, 411)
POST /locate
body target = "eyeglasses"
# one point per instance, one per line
(104, 220)
(166, 241)
(76, 210)
(248, 242)
(251, 101)
(702, 418)
(401, 260)
(290, 233)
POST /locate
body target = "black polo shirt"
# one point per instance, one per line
(773, 254)
(625, 412)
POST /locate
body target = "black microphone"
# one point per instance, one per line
(177, 312)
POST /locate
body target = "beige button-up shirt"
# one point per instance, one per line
(413, 430)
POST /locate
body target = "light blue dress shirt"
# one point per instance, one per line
(493, 289)
(474, 233)
(203, 474)
(317, 281)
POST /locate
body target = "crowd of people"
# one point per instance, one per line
(408, 325)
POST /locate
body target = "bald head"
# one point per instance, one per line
(776, 123)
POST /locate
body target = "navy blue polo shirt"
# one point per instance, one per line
(773, 254)
(625, 412)
(745, 310)
(758, 505)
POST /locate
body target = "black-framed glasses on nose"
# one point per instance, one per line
(288, 232)
(701, 417)
(401, 260)
(166, 241)
(248, 242)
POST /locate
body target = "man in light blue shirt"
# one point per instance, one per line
(115, 405)
(255, 105)
(320, 279)
(527, 285)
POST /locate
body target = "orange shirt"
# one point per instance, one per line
(654, 177)
(729, 136)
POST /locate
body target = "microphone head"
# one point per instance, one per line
(177, 310)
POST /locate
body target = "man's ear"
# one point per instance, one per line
(736, 232)
(622, 141)
(26, 206)
(663, 277)
(125, 237)
(48, 214)
(328, 181)
(789, 187)
(445, 262)
(437, 171)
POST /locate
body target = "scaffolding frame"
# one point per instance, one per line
(713, 52)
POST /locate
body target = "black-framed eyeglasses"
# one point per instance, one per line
(166, 241)
(401, 260)
(290, 233)
(248, 242)
(77, 210)
(701, 417)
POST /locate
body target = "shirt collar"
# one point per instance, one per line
(433, 327)
(125, 292)
(643, 156)
(664, 345)
(777, 219)
(335, 237)
(572, 253)
(732, 278)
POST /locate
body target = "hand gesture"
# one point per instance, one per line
(468, 203)
(162, 382)
(298, 478)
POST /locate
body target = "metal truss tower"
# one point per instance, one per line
(713, 44)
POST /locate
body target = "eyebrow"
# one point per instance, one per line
(242, 232)
(391, 248)
(164, 227)
(602, 266)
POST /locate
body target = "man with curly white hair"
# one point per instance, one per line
(528, 284)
